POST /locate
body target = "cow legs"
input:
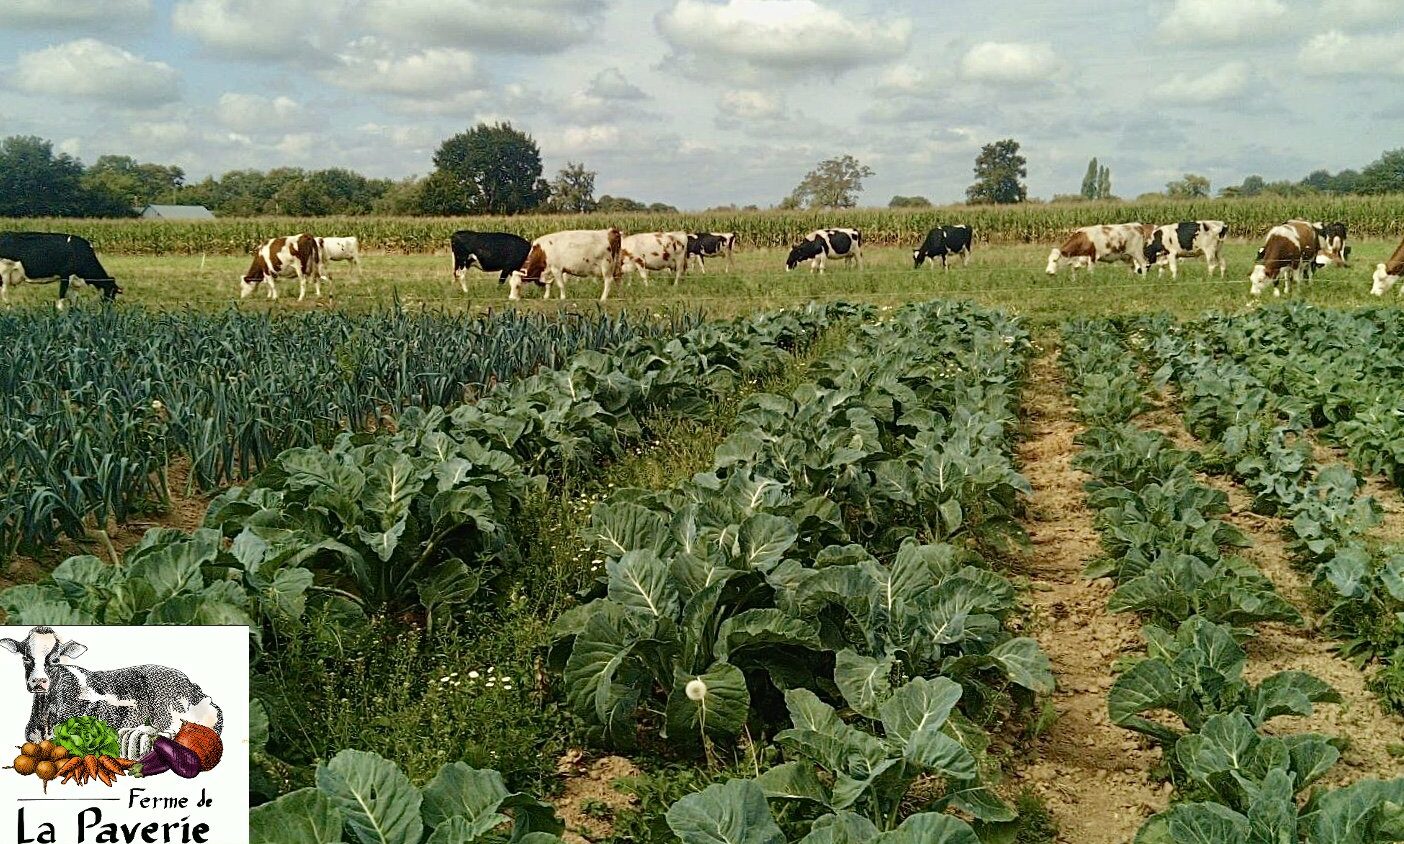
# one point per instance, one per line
(1174, 266)
(860, 259)
(608, 278)
(965, 261)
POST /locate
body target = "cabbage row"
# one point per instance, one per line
(415, 519)
(823, 575)
(1261, 435)
(1167, 551)
(97, 406)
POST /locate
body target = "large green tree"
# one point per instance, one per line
(34, 182)
(999, 171)
(573, 189)
(490, 169)
(133, 184)
(1192, 186)
(834, 183)
(1383, 175)
(1089, 180)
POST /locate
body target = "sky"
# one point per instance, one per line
(708, 102)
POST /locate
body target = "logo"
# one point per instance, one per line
(124, 734)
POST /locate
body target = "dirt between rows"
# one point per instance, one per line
(1095, 777)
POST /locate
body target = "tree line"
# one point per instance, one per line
(489, 169)
(495, 169)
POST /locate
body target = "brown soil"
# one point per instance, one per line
(1093, 775)
(590, 798)
(1369, 729)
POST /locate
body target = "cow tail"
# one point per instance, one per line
(615, 240)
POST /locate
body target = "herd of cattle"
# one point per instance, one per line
(1292, 251)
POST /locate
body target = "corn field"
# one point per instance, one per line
(1366, 216)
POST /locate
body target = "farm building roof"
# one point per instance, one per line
(177, 212)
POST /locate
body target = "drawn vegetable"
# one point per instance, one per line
(25, 765)
(170, 756)
(37, 759)
(87, 736)
(203, 741)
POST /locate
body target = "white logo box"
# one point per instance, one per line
(111, 667)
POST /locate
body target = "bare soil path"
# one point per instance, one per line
(1093, 775)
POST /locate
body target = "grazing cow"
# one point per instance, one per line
(1188, 239)
(1090, 244)
(493, 252)
(703, 245)
(1388, 273)
(42, 257)
(552, 257)
(822, 244)
(1290, 250)
(339, 249)
(1332, 239)
(144, 698)
(295, 255)
(943, 242)
(639, 253)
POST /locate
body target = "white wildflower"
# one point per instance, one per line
(696, 689)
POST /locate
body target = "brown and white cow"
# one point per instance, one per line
(1289, 252)
(582, 253)
(1188, 239)
(295, 255)
(1388, 273)
(1090, 244)
(639, 253)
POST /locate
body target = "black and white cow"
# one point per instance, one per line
(822, 244)
(1334, 250)
(493, 252)
(45, 256)
(144, 699)
(1188, 239)
(703, 245)
(944, 242)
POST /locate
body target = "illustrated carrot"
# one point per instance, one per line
(90, 763)
(105, 776)
(125, 764)
(110, 765)
(69, 764)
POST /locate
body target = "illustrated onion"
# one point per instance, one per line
(203, 741)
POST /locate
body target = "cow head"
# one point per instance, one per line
(40, 652)
(109, 287)
(918, 257)
(803, 252)
(1260, 280)
(1155, 247)
(1053, 258)
(1383, 281)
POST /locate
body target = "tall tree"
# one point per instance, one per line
(490, 169)
(834, 183)
(573, 189)
(1104, 182)
(1383, 175)
(1192, 186)
(131, 184)
(1089, 181)
(34, 182)
(998, 170)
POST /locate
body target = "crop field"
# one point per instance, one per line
(884, 555)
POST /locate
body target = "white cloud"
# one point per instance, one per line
(65, 14)
(522, 26)
(1358, 11)
(1009, 62)
(90, 69)
(252, 112)
(738, 107)
(610, 84)
(1333, 53)
(1220, 21)
(1226, 82)
(289, 30)
(758, 39)
(439, 79)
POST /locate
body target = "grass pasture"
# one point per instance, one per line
(1009, 276)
